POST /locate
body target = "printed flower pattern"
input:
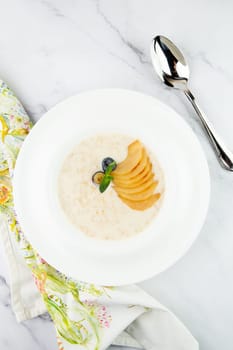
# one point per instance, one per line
(100, 311)
(80, 321)
(5, 194)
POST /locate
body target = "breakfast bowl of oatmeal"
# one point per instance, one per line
(118, 201)
(111, 187)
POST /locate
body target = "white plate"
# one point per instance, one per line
(185, 202)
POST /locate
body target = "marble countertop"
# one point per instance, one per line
(51, 49)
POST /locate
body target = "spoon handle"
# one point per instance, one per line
(224, 156)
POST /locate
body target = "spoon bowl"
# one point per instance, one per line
(169, 63)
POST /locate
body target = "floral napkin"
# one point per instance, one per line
(86, 316)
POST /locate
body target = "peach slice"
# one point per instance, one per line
(135, 189)
(142, 205)
(138, 168)
(139, 196)
(143, 179)
(129, 182)
(143, 166)
(135, 153)
(134, 180)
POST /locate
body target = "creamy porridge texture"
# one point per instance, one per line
(101, 215)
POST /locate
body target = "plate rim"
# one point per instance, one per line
(177, 115)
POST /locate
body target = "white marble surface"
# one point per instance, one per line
(51, 49)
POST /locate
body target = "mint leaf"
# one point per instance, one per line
(105, 183)
(107, 177)
(110, 168)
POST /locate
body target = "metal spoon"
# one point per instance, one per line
(171, 67)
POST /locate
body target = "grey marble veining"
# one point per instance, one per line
(51, 49)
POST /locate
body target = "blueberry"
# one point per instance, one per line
(106, 162)
(97, 177)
